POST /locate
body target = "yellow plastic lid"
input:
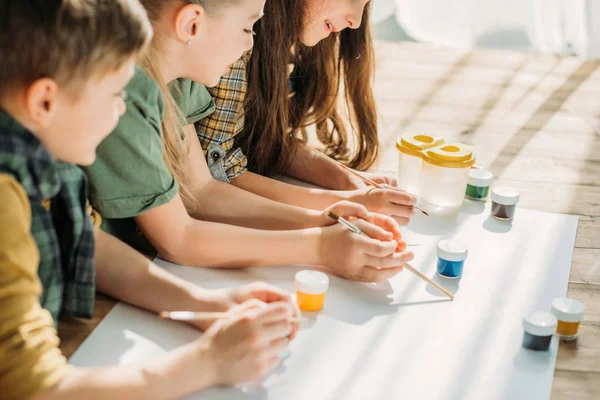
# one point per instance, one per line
(414, 143)
(451, 155)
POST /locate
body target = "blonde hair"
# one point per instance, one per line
(173, 122)
(68, 40)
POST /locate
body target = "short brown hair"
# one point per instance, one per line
(67, 40)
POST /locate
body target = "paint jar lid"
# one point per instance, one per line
(414, 143)
(505, 195)
(451, 155)
(567, 310)
(540, 323)
(452, 250)
(311, 282)
(480, 177)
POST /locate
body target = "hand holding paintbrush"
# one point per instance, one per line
(374, 184)
(409, 267)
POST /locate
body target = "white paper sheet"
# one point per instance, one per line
(400, 339)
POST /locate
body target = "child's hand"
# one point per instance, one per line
(346, 209)
(247, 347)
(374, 256)
(387, 200)
(228, 299)
(351, 211)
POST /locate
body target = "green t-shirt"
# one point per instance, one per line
(130, 176)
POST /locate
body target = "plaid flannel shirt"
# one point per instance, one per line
(61, 224)
(217, 131)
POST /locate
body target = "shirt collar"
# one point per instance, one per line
(36, 168)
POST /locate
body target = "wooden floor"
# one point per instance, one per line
(535, 121)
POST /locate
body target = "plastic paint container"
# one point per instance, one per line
(445, 174)
(504, 203)
(539, 328)
(410, 159)
(311, 287)
(478, 184)
(451, 258)
(569, 313)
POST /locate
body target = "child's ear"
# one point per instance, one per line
(41, 101)
(187, 22)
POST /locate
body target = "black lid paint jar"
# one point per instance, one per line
(539, 328)
(504, 202)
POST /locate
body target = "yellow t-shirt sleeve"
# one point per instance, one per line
(31, 360)
(95, 217)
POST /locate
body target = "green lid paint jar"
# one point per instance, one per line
(478, 184)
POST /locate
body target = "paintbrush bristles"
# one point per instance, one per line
(333, 215)
(423, 211)
(344, 222)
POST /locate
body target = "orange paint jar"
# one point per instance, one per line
(569, 313)
(311, 287)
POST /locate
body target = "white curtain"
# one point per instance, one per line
(554, 26)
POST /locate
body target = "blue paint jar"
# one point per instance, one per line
(451, 258)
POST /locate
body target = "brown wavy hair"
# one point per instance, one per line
(276, 123)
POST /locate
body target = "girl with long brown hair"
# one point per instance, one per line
(262, 111)
(173, 204)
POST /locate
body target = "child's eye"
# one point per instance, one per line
(250, 32)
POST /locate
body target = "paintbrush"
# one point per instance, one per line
(199, 316)
(373, 183)
(409, 267)
(426, 279)
(353, 227)
(345, 222)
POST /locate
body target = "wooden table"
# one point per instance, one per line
(533, 121)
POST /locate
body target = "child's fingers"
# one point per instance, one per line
(401, 220)
(392, 261)
(399, 196)
(376, 248)
(274, 332)
(387, 223)
(248, 305)
(401, 247)
(348, 209)
(371, 274)
(396, 210)
(269, 366)
(275, 312)
(268, 293)
(373, 231)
